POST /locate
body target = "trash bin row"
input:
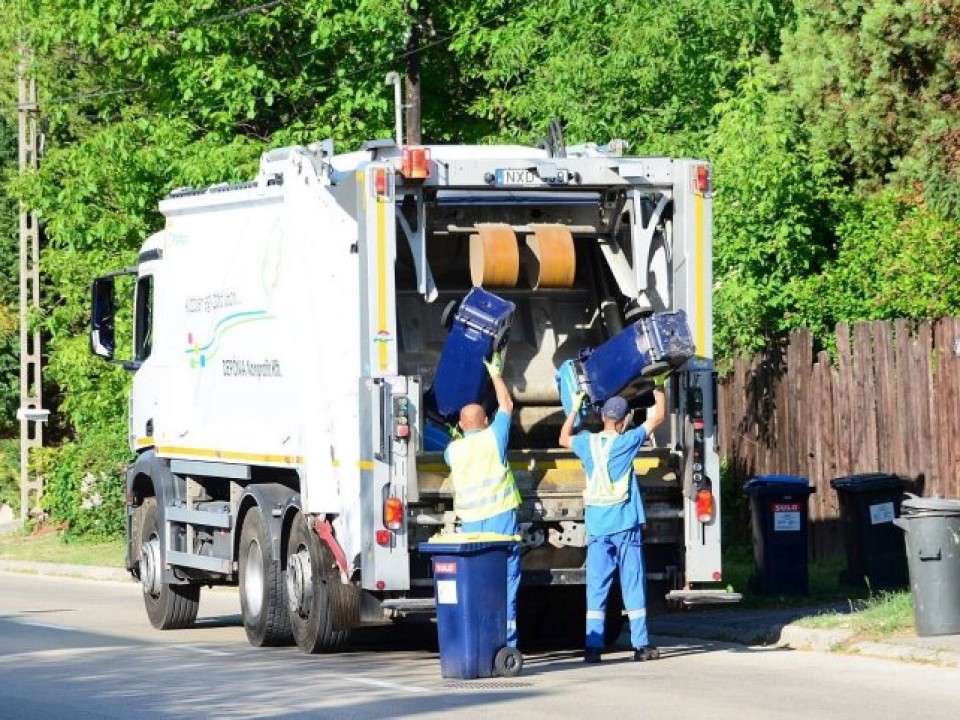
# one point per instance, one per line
(891, 539)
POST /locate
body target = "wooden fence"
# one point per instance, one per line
(891, 403)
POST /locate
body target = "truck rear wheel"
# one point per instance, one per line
(169, 607)
(263, 598)
(310, 571)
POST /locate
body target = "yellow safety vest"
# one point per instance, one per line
(601, 490)
(482, 485)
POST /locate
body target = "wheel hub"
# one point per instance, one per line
(300, 582)
(253, 580)
(150, 566)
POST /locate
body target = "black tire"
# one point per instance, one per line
(508, 662)
(263, 596)
(655, 368)
(449, 312)
(309, 571)
(169, 607)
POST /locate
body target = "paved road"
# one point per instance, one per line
(83, 649)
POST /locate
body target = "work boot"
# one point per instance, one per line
(647, 652)
(591, 655)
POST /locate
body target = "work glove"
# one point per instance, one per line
(578, 401)
(660, 380)
(494, 365)
(454, 432)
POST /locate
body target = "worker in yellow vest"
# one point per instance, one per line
(485, 496)
(613, 516)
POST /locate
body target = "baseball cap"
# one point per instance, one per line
(615, 408)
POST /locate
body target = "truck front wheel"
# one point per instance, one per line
(310, 568)
(169, 607)
(263, 600)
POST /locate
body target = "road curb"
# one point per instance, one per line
(91, 572)
(935, 656)
(798, 637)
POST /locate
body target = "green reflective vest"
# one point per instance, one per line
(601, 490)
(482, 485)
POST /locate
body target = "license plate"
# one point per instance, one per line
(510, 178)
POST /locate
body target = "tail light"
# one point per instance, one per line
(706, 506)
(383, 538)
(702, 178)
(381, 184)
(393, 513)
(415, 163)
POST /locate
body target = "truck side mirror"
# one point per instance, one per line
(101, 318)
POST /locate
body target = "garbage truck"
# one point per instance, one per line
(291, 392)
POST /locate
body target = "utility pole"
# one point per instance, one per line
(31, 413)
(417, 26)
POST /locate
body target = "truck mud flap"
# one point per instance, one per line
(344, 604)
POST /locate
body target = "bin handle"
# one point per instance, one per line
(928, 556)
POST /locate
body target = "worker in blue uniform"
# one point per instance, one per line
(613, 516)
(485, 495)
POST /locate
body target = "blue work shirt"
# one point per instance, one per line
(610, 519)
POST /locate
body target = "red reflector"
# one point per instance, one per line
(381, 584)
(383, 537)
(703, 179)
(705, 506)
(415, 163)
(393, 513)
(380, 182)
(717, 576)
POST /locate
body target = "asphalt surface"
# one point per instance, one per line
(748, 627)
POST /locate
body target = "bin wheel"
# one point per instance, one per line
(446, 317)
(508, 662)
(655, 368)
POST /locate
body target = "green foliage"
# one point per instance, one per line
(877, 83)
(646, 71)
(10, 474)
(9, 287)
(84, 483)
(772, 214)
(897, 258)
(832, 127)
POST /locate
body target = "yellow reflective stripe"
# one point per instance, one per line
(365, 464)
(232, 455)
(699, 289)
(382, 329)
(640, 465)
(144, 441)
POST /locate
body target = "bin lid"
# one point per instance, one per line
(915, 506)
(782, 482)
(866, 482)
(466, 543)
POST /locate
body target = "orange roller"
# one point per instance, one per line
(494, 256)
(552, 262)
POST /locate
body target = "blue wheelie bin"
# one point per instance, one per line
(470, 588)
(778, 513)
(627, 362)
(479, 327)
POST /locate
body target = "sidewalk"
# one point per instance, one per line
(744, 627)
(780, 628)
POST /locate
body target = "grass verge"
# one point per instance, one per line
(884, 614)
(47, 546)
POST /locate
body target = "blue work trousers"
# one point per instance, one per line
(505, 524)
(606, 553)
